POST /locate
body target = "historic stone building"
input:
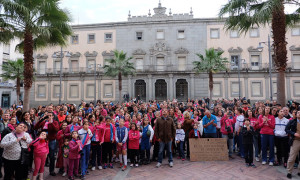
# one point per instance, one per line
(163, 47)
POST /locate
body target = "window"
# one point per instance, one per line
(234, 62)
(160, 34)
(108, 90)
(296, 88)
(108, 37)
(57, 66)
(74, 66)
(139, 64)
(217, 89)
(255, 62)
(139, 35)
(181, 63)
(6, 49)
(42, 67)
(91, 65)
(91, 38)
(180, 34)
(160, 63)
(56, 91)
(234, 33)
(74, 91)
(254, 32)
(214, 33)
(234, 89)
(90, 90)
(296, 31)
(296, 61)
(41, 91)
(75, 39)
(256, 89)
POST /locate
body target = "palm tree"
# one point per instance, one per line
(244, 14)
(38, 24)
(119, 66)
(211, 63)
(13, 70)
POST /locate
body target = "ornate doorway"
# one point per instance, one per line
(182, 90)
(140, 89)
(160, 89)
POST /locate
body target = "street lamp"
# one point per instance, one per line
(61, 52)
(270, 63)
(95, 76)
(239, 72)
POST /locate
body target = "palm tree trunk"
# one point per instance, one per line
(18, 89)
(279, 32)
(28, 66)
(120, 87)
(211, 86)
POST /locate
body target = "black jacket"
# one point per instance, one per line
(291, 129)
(248, 135)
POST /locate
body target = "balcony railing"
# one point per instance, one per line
(169, 68)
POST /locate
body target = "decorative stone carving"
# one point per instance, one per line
(75, 55)
(42, 56)
(219, 49)
(93, 54)
(237, 50)
(107, 53)
(294, 48)
(252, 49)
(139, 52)
(159, 47)
(58, 55)
(181, 50)
(159, 11)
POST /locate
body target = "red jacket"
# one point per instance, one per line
(134, 137)
(225, 121)
(107, 133)
(253, 121)
(268, 127)
(40, 147)
(74, 127)
(74, 150)
(192, 134)
(52, 128)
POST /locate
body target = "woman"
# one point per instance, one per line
(12, 144)
(256, 138)
(187, 127)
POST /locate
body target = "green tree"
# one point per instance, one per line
(119, 66)
(13, 70)
(244, 14)
(211, 62)
(38, 24)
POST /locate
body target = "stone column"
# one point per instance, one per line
(226, 86)
(130, 86)
(246, 86)
(192, 86)
(288, 84)
(267, 83)
(171, 89)
(149, 89)
(49, 91)
(65, 93)
(99, 88)
(82, 88)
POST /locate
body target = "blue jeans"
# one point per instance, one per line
(85, 158)
(241, 145)
(180, 149)
(267, 141)
(255, 142)
(229, 144)
(52, 149)
(161, 150)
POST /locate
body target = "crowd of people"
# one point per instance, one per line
(76, 139)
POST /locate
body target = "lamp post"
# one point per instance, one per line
(270, 64)
(239, 73)
(61, 52)
(95, 77)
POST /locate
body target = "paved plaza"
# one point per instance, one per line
(233, 169)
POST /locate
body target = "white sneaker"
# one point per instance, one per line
(64, 174)
(100, 167)
(171, 164)
(158, 165)
(257, 159)
(93, 168)
(264, 162)
(271, 163)
(131, 165)
(136, 165)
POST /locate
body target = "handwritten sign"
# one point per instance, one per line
(208, 149)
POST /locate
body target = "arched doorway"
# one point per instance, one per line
(160, 89)
(182, 89)
(140, 89)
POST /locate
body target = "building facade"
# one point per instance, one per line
(163, 47)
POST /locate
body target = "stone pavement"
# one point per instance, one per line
(233, 169)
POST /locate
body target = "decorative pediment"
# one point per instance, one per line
(237, 50)
(107, 53)
(252, 49)
(58, 55)
(75, 55)
(219, 49)
(294, 48)
(181, 51)
(160, 47)
(139, 52)
(93, 54)
(42, 56)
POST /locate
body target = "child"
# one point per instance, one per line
(95, 145)
(247, 133)
(121, 138)
(194, 133)
(85, 135)
(41, 151)
(74, 155)
(60, 137)
(133, 144)
(107, 140)
(179, 138)
(65, 154)
(147, 135)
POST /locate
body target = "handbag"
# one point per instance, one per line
(25, 154)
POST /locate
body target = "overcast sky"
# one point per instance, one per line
(100, 11)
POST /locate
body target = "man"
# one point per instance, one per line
(286, 113)
(61, 116)
(239, 126)
(3, 125)
(165, 133)
(209, 125)
(293, 129)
